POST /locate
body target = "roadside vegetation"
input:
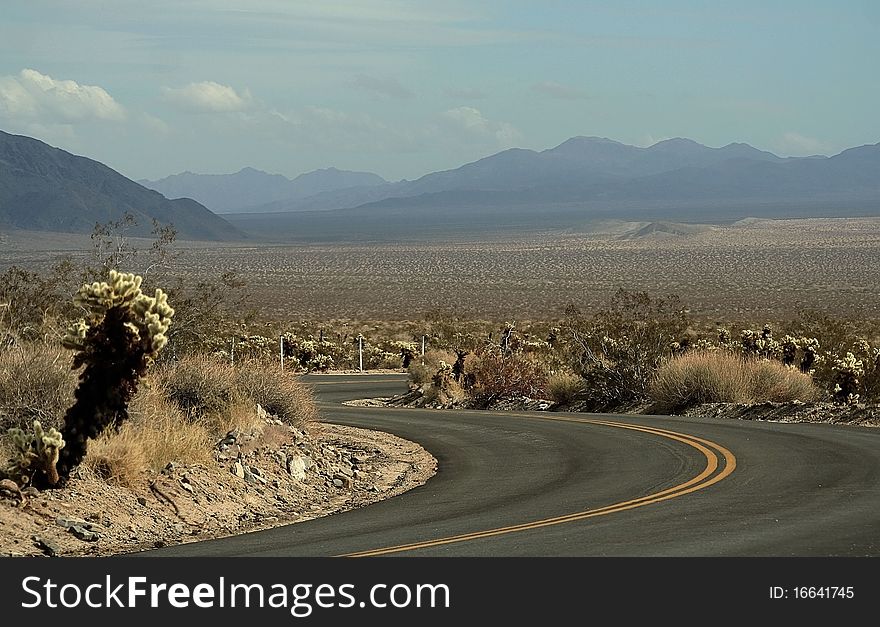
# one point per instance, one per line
(196, 378)
(98, 370)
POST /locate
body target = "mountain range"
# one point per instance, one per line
(581, 170)
(581, 180)
(254, 190)
(47, 189)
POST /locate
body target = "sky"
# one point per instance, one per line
(403, 88)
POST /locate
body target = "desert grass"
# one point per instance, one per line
(281, 393)
(36, 383)
(564, 387)
(724, 377)
(158, 432)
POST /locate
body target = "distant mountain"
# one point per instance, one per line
(47, 189)
(585, 179)
(591, 169)
(248, 188)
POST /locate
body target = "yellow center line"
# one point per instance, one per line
(704, 479)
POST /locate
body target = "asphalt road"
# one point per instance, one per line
(556, 484)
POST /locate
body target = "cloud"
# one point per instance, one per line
(552, 89)
(31, 95)
(208, 97)
(470, 122)
(466, 93)
(387, 87)
(795, 144)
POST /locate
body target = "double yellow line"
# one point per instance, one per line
(714, 472)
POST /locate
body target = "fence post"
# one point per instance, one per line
(232, 352)
(361, 352)
(281, 349)
(423, 349)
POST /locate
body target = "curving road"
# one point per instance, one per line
(557, 484)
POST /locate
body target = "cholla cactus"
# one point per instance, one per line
(122, 333)
(33, 453)
(760, 344)
(846, 378)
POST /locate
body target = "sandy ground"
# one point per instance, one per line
(276, 476)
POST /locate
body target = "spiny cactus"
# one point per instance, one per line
(846, 378)
(34, 453)
(122, 333)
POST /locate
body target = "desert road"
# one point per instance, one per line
(566, 484)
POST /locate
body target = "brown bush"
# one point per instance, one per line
(723, 377)
(200, 386)
(281, 393)
(36, 383)
(508, 376)
(564, 387)
(158, 433)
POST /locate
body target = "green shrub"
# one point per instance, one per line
(617, 350)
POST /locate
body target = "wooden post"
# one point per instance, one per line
(361, 352)
(281, 349)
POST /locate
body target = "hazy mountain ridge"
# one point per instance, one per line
(248, 188)
(591, 169)
(45, 188)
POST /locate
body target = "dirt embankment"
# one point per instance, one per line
(275, 476)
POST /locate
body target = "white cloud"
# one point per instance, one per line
(208, 97)
(559, 91)
(31, 95)
(798, 145)
(154, 124)
(471, 122)
(387, 87)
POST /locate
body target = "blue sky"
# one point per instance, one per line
(402, 88)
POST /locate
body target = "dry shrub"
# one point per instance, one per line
(117, 457)
(224, 396)
(200, 386)
(723, 377)
(508, 376)
(158, 433)
(564, 387)
(419, 375)
(36, 383)
(774, 382)
(281, 393)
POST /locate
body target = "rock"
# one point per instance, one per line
(69, 523)
(47, 547)
(9, 489)
(186, 486)
(238, 470)
(262, 414)
(229, 440)
(31, 491)
(342, 481)
(83, 534)
(296, 467)
(142, 500)
(252, 477)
